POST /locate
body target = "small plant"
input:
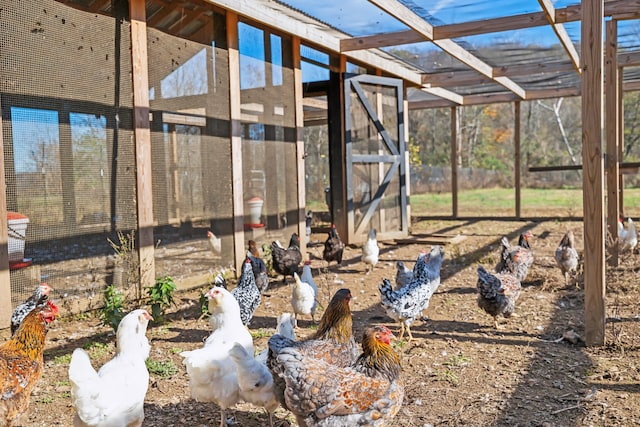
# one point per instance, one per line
(97, 349)
(161, 368)
(161, 296)
(204, 305)
(112, 312)
(260, 333)
(266, 257)
(458, 360)
(63, 359)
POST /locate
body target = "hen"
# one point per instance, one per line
(332, 342)
(259, 267)
(406, 304)
(39, 296)
(215, 243)
(212, 373)
(114, 395)
(370, 392)
(497, 293)
(286, 261)
(370, 251)
(627, 236)
(303, 299)
(21, 362)
(247, 293)
(508, 263)
(566, 256)
(308, 219)
(403, 275)
(333, 247)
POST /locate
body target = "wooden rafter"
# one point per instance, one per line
(562, 34)
(409, 18)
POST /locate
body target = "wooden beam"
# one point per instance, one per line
(412, 20)
(592, 171)
(6, 308)
(561, 33)
(516, 156)
(445, 94)
(454, 161)
(142, 135)
(299, 119)
(611, 128)
(629, 59)
(235, 116)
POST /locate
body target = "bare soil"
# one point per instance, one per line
(459, 371)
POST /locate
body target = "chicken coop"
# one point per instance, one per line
(132, 128)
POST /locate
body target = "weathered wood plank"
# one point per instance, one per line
(611, 128)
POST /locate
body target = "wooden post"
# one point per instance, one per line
(592, 171)
(516, 155)
(454, 161)
(299, 109)
(407, 160)
(142, 134)
(5, 281)
(612, 125)
(236, 140)
(620, 139)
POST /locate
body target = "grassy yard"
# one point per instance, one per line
(501, 202)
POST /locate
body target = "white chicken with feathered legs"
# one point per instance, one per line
(627, 236)
(212, 373)
(113, 396)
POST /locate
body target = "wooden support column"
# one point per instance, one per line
(142, 134)
(6, 308)
(516, 155)
(236, 140)
(620, 139)
(407, 162)
(592, 171)
(454, 161)
(612, 126)
(298, 96)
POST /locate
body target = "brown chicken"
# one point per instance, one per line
(369, 392)
(332, 342)
(566, 256)
(21, 362)
(333, 247)
(508, 263)
(497, 293)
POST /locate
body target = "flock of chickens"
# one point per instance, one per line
(324, 380)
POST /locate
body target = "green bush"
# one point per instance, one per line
(113, 310)
(161, 296)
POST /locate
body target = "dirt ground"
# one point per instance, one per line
(460, 371)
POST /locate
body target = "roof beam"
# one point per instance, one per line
(409, 18)
(445, 94)
(562, 34)
(618, 8)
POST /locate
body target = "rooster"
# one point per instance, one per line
(39, 296)
(497, 293)
(212, 373)
(507, 263)
(114, 395)
(627, 237)
(370, 392)
(286, 261)
(370, 251)
(332, 342)
(407, 303)
(303, 299)
(566, 256)
(215, 243)
(259, 267)
(247, 293)
(21, 362)
(333, 247)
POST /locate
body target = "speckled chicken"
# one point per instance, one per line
(566, 256)
(259, 267)
(333, 247)
(407, 303)
(286, 261)
(508, 262)
(247, 293)
(39, 296)
(497, 293)
(370, 251)
(21, 363)
(369, 392)
(332, 342)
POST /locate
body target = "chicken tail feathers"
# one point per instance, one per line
(488, 285)
(85, 386)
(386, 289)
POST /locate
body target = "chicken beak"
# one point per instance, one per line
(147, 316)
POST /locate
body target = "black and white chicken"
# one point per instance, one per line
(497, 293)
(39, 296)
(247, 293)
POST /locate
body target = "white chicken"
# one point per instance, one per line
(212, 373)
(303, 299)
(113, 396)
(370, 251)
(627, 236)
(215, 243)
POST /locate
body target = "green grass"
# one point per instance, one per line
(501, 202)
(161, 368)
